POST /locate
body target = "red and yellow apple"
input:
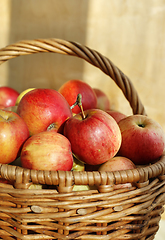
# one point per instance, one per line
(77, 165)
(47, 150)
(2, 106)
(72, 88)
(116, 115)
(13, 133)
(95, 138)
(116, 164)
(41, 107)
(8, 96)
(143, 139)
(103, 101)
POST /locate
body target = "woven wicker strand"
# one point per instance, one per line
(57, 212)
(85, 178)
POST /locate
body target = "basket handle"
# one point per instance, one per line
(104, 64)
(75, 49)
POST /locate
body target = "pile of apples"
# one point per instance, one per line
(74, 128)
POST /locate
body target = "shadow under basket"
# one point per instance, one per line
(56, 211)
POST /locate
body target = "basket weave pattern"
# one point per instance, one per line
(57, 212)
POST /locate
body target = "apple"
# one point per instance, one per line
(118, 163)
(143, 139)
(72, 88)
(77, 165)
(13, 133)
(2, 106)
(8, 96)
(41, 107)
(77, 188)
(22, 94)
(47, 150)
(94, 135)
(103, 101)
(116, 115)
(35, 186)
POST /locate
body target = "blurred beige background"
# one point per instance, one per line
(130, 33)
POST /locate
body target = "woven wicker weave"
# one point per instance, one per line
(57, 212)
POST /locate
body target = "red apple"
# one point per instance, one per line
(143, 139)
(8, 96)
(47, 150)
(77, 165)
(72, 88)
(13, 133)
(116, 164)
(103, 101)
(41, 107)
(94, 138)
(116, 115)
(2, 106)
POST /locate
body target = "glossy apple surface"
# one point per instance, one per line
(116, 164)
(94, 139)
(13, 133)
(47, 150)
(143, 139)
(103, 101)
(8, 96)
(2, 106)
(116, 115)
(72, 88)
(41, 107)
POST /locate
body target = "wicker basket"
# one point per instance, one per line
(57, 212)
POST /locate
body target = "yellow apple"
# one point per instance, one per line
(35, 186)
(22, 94)
(77, 188)
(77, 164)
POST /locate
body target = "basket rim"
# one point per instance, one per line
(140, 174)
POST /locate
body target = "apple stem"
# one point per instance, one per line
(141, 125)
(79, 97)
(75, 104)
(79, 103)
